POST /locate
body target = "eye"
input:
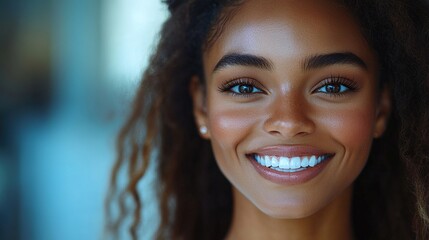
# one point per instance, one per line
(245, 89)
(336, 86)
(241, 87)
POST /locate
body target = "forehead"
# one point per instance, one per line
(289, 29)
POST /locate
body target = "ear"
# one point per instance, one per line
(383, 112)
(199, 107)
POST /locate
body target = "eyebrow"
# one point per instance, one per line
(236, 59)
(323, 60)
(312, 62)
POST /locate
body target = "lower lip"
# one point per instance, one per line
(290, 178)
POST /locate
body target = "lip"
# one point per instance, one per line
(289, 178)
(289, 151)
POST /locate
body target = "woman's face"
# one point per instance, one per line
(291, 104)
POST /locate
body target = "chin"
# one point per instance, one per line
(288, 211)
(289, 214)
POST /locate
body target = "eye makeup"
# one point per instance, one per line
(336, 86)
(243, 87)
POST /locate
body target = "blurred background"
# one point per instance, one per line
(68, 73)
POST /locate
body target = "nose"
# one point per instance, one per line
(289, 117)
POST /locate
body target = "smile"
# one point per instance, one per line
(290, 164)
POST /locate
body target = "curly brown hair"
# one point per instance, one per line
(391, 195)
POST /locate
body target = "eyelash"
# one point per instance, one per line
(351, 85)
(227, 86)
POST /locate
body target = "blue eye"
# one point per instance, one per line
(242, 87)
(334, 88)
(245, 89)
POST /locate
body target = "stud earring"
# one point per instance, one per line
(203, 130)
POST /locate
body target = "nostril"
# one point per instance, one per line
(289, 127)
(289, 116)
(274, 133)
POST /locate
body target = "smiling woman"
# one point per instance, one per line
(290, 96)
(309, 124)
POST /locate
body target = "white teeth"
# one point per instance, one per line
(290, 164)
(304, 162)
(268, 161)
(295, 163)
(312, 161)
(284, 163)
(275, 162)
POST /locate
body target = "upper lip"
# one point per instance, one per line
(289, 151)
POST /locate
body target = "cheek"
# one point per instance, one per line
(352, 124)
(353, 127)
(229, 126)
(227, 129)
(352, 130)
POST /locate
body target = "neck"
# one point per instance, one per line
(332, 222)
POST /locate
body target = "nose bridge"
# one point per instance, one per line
(289, 115)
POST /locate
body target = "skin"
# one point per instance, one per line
(291, 110)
